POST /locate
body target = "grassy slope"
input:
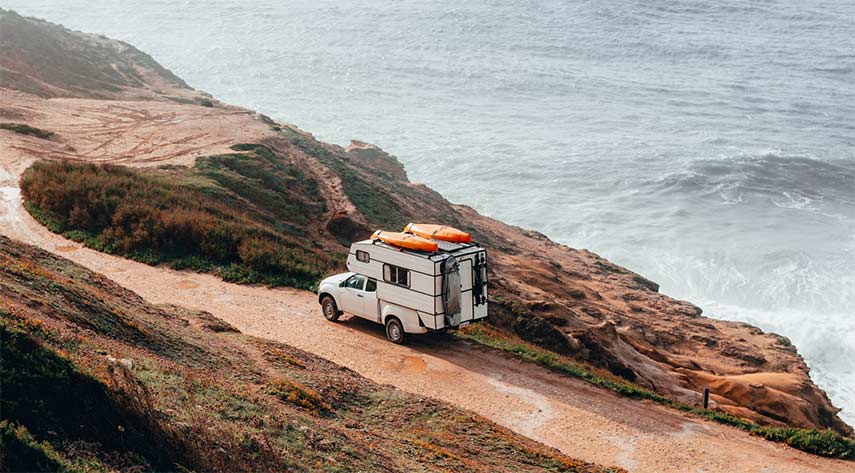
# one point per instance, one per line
(48, 60)
(198, 395)
(243, 215)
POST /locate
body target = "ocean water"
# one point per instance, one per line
(709, 145)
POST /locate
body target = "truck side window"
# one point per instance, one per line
(363, 256)
(355, 282)
(371, 285)
(396, 275)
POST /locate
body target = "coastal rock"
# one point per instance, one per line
(373, 157)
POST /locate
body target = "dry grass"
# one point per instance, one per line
(193, 399)
(299, 395)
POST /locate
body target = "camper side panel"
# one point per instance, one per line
(418, 294)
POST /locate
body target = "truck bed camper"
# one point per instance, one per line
(409, 283)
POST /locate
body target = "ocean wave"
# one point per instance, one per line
(794, 182)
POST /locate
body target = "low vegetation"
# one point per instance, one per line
(299, 395)
(372, 199)
(22, 129)
(96, 379)
(243, 216)
(24, 453)
(825, 443)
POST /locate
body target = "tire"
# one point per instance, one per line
(394, 330)
(330, 309)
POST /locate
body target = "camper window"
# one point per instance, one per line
(363, 256)
(371, 285)
(396, 275)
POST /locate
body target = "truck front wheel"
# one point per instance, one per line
(394, 330)
(330, 309)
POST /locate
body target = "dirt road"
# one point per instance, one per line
(565, 413)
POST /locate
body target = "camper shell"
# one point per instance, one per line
(420, 287)
(426, 291)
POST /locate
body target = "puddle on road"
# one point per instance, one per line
(626, 446)
(413, 365)
(689, 429)
(186, 284)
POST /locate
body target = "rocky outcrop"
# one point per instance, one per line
(373, 157)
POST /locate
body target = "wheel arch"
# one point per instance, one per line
(325, 294)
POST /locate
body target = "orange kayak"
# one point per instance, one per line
(438, 232)
(405, 240)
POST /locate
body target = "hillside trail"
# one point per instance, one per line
(570, 415)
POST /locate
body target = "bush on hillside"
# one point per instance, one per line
(239, 214)
(28, 130)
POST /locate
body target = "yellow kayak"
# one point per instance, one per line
(438, 232)
(405, 240)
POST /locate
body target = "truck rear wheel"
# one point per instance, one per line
(330, 309)
(394, 330)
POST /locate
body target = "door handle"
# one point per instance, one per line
(359, 295)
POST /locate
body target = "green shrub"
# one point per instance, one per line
(299, 395)
(193, 262)
(240, 215)
(825, 443)
(22, 452)
(22, 129)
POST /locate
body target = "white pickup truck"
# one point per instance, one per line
(409, 291)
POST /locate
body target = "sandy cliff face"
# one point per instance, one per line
(571, 301)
